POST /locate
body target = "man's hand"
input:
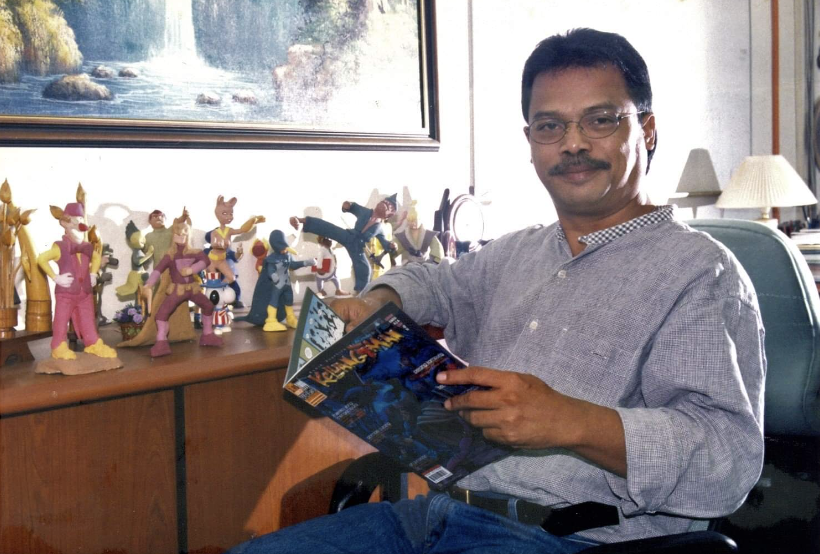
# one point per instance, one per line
(355, 310)
(522, 411)
(186, 271)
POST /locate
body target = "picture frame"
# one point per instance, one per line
(413, 125)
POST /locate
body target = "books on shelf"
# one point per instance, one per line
(378, 381)
(808, 242)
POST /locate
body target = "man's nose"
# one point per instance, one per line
(574, 139)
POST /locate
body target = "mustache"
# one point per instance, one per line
(580, 161)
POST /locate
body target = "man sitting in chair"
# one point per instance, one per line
(621, 350)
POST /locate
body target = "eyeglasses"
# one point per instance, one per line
(595, 125)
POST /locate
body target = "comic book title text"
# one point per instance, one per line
(357, 354)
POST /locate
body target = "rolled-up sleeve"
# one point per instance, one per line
(696, 449)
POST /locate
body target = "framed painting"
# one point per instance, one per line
(313, 74)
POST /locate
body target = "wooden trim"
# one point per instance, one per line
(247, 350)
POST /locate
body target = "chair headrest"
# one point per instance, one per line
(790, 308)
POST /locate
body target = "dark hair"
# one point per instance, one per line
(589, 48)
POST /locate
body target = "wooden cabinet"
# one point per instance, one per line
(190, 453)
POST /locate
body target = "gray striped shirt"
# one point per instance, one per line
(653, 319)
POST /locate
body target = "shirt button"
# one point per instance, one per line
(533, 325)
(561, 274)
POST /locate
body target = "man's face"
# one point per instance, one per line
(384, 209)
(589, 178)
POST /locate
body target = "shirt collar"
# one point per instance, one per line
(659, 214)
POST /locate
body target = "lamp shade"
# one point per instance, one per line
(765, 182)
(698, 177)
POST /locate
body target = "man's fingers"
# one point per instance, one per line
(474, 375)
(474, 400)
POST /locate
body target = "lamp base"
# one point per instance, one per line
(770, 221)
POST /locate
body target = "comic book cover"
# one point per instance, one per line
(378, 381)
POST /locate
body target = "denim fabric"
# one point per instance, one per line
(434, 524)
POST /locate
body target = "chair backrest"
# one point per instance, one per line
(790, 307)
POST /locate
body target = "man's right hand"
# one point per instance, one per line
(355, 310)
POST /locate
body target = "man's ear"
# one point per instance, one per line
(527, 132)
(649, 134)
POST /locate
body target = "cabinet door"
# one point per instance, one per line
(90, 479)
(254, 462)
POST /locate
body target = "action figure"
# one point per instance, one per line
(221, 296)
(259, 250)
(140, 257)
(233, 257)
(108, 261)
(221, 237)
(158, 241)
(183, 263)
(416, 244)
(368, 225)
(325, 268)
(78, 261)
(273, 291)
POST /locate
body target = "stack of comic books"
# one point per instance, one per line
(378, 381)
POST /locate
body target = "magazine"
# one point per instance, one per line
(378, 381)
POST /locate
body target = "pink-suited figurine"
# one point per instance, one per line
(77, 262)
(183, 263)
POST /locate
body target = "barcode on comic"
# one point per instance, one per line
(437, 474)
(306, 393)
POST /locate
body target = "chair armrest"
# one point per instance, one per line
(700, 542)
(362, 476)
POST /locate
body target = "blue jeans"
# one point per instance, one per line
(433, 524)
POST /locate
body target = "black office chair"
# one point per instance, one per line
(790, 309)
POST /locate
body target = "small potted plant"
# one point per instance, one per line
(131, 320)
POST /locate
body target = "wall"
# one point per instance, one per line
(701, 55)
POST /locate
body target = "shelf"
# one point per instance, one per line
(247, 349)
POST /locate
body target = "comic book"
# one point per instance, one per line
(378, 381)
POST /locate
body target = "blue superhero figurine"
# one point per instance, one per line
(368, 225)
(276, 269)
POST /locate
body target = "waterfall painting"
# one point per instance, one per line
(354, 74)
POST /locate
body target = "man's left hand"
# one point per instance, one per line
(520, 410)
(516, 409)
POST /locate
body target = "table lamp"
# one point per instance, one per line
(698, 185)
(765, 182)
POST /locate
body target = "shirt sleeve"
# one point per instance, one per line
(451, 295)
(696, 449)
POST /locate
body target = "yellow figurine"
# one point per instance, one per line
(140, 257)
(221, 237)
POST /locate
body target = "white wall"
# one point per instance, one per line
(698, 54)
(701, 56)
